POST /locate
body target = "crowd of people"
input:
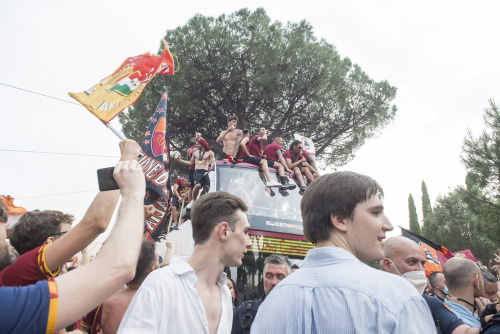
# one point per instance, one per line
(129, 288)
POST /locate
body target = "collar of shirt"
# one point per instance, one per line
(325, 256)
(182, 268)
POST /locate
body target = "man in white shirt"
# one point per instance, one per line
(192, 296)
(334, 292)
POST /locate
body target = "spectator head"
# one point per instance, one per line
(3, 213)
(294, 267)
(276, 268)
(197, 136)
(202, 143)
(402, 255)
(278, 140)
(246, 133)
(296, 146)
(235, 295)
(490, 285)
(438, 283)
(232, 121)
(262, 131)
(220, 217)
(36, 228)
(148, 258)
(346, 206)
(462, 274)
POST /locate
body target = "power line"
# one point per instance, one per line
(75, 192)
(29, 91)
(87, 155)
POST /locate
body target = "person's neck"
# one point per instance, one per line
(134, 286)
(336, 240)
(206, 264)
(462, 297)
(439, 293)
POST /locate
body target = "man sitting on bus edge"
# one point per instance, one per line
(246, 156)
(273, 153)
(202, 157)
(276, 268)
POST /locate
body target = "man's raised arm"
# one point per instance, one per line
(81, 290)
(95, 221)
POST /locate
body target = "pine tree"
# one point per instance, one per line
(414, 226)
(426, 203)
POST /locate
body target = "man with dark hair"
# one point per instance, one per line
(276, 268)
(438, 285)
(250, 153)
(46, 239)
(115, 307)
(202, 157)
(343, 214)
(296, 162)
(273, 153)
(490, 286)
(192, 296)
(403, 257)
(228, 138)
(466, 288)
(48, 306)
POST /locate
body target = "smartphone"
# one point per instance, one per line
(106, 180)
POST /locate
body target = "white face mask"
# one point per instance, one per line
(416, 278)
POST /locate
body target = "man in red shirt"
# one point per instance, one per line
(46, 240)
(251, 152)
(296, 162)
(273, 153)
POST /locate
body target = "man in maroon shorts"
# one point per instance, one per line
(296, 162)
(273, 153)
(251, 152)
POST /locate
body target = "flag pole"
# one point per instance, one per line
(115, 131)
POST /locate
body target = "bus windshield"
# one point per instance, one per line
(248, 184)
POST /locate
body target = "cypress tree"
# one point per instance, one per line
(426, 203)
(414, 226)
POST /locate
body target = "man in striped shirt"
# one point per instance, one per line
(334, 292)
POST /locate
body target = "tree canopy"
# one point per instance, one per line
(481, 157)
(279, 76)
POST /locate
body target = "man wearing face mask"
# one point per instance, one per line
(437, 281)
(403, 257)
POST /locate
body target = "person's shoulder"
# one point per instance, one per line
(287, 154)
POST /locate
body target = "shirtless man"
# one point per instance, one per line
(228, 137)
(202, 156)
(197, 136)
(114, 308)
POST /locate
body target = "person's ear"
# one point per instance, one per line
(386, 265)
(338, 222)
(49, 240)
(223, 231)
(475, 282)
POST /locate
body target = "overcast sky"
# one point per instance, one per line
(442, 56)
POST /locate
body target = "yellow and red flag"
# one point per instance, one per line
(125, 85)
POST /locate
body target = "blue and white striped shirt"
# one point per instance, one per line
(334, 292)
